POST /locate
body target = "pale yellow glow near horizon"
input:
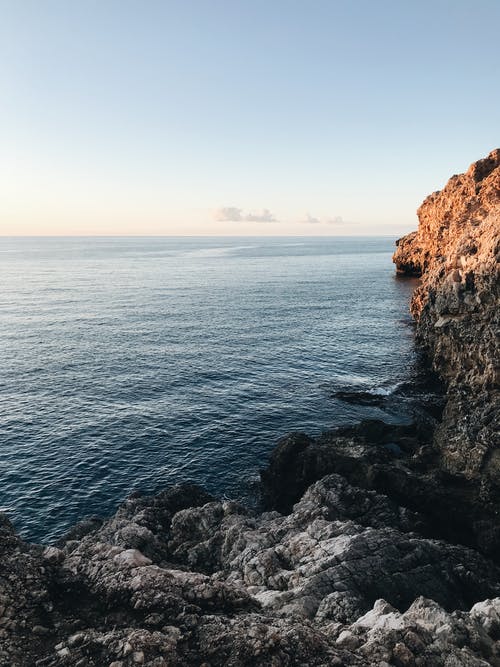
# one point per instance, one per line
(101, 218)
(54, 204)
(42, 197)
(192, 228)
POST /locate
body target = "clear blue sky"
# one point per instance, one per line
(192, 116)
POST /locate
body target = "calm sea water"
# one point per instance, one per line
(136, 363)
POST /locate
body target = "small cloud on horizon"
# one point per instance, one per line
(310, 220)
(234, 214)
(264, 216)
(228, 214)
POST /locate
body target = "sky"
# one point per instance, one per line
(240, 117)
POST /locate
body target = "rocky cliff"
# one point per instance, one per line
(379, 545)
(456, 251)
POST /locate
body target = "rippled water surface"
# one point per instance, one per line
(136, 363)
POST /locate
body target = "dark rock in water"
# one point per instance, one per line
(424, 392)
(350, 451)
(281, 485)
(360, 397)
(81, 529)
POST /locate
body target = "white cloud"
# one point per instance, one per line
(332, 220)
(234, 214)
(264, 216)
(228, 214)
(310, 220)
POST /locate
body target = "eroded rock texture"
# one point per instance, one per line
(341, 580)
(456, 250)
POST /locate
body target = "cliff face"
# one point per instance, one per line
(456, 250)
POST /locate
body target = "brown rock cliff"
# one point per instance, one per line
(456, 251)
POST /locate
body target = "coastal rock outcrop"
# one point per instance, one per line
(341, 580)
(398, 461)
(456, 251)
(377, 544)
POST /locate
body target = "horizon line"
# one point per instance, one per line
(156, 236)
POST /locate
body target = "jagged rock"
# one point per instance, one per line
(298, 460)
(397, 461)
(457, 251)
(224, 586)
(25, 602)
(457, 308)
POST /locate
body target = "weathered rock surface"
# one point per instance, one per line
(456, 250)
(338, 581)
(397, 461)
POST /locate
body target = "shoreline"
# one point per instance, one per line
(379, 543)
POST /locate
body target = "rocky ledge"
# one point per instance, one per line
(183, 579)
(378, 544)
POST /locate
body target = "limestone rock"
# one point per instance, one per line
(337, 581)
(456, 250)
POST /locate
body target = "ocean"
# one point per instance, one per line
(136, 363)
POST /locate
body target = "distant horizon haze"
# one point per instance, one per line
(205, 235)
(187, 236)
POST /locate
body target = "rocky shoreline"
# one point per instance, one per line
(378, 544)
